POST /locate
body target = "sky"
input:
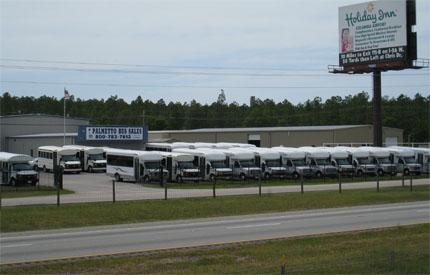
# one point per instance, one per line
(184, 50)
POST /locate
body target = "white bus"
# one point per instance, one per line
(93, 159)
(242, 163)
(15, 169)
(405, 161)
(210, 162)
(339, 158)
(422, 156)
(294, 161)
(181, 166)
(381, 158)
(134, 165)
(67, 158)
(318, 160)
(360, 159)
(167, 147)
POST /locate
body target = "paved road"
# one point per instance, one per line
(132, 237)
(98, 187)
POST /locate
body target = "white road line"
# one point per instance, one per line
(253, 225)
(15, 245)
(290, 216)
(423, 210)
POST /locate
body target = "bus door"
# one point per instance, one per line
(202, 167)
(4, 167)
(136, 169)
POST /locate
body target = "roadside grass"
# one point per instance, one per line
(360, 253)
(277, 182)
(41, 217)
(9, 192)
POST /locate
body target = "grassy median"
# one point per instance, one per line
(9, 192)
(392, 251)
(23, 218)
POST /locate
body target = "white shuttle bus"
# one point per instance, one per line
(210, 162)
(340, 159)
(318, 160)
(93, 159)
(67, 158)
(268, 160)
(133, 165)
(180, 166)
(294, 161)
(405, 161)
(360, 159)
(167, 147)
(242, 163)
(381, 158)
(15, 169)
(422, 156)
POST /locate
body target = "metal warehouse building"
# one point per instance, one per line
(287, 136)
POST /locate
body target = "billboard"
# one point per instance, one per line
(112, 133)
(373, 32)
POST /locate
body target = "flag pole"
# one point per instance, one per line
(64, 99)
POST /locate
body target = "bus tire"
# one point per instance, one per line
(406, 172)
(44, 169)
(242, 177)
(212, 177)
(380, 172)
(359, 173)
(146, 178)
(90, 169)
(12, 182)
(267, 176)
(178, 178)
(318, 174)
(295, 175)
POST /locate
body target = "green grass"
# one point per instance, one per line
(9, 192)
(23, 218)
(360, 253)
(275, 182)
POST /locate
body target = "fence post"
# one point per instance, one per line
(38, 180)
(113, 191)
(283, 265)
(392, 259)
(403, 179)
(340, 182)
(377, 181)
(410, 184)
(0, 194)
(58, 192)
(259, 185)
(213, 186)
(301, 182)
(165, 189)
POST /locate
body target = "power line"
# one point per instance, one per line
(195, 73)
(204, 87)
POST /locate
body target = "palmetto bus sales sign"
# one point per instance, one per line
(372, 32)
(112, 133)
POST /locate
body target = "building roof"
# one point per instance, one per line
(264, 129)
(50, 135)
(44, 115)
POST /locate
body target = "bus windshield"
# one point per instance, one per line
(343, 162)
(299, 162)
(273, 163)
(384, 161)
(186, 165)
(21, 167)
(247, 163)
(152, 165)
(96, 157)
(409, 159)
(362, 161)
(69, 158)
(322, 162)
(218, 164)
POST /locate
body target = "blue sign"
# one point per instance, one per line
(112, 133)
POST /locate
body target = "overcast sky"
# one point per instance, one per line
(186, 50)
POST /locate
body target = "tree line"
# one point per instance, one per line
(410, 114)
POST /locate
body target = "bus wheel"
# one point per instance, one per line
(242, 177)
(359, 173)
(145, 179)
(12, 182)
(319, 174)
(295, 175)
(117, 177)
(212, 177)
(90, 169)
(179, 178)
(380, 172)
(44, 169)
(266, 176)
(406, 172)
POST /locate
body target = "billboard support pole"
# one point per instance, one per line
(377, 114)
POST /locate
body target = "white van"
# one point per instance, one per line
(294, 160)
(210, 162)
(269, 161)
(318, 160)
(422, 156)
(15, 169)
(93, 159)
(360, 159)
(381, 158)
(134, 165)
(181, 166)
(242, 163)
(340, 159)
(67, 158)
(405, 161)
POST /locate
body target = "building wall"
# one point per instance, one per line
(29, 146)
(35, 124)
